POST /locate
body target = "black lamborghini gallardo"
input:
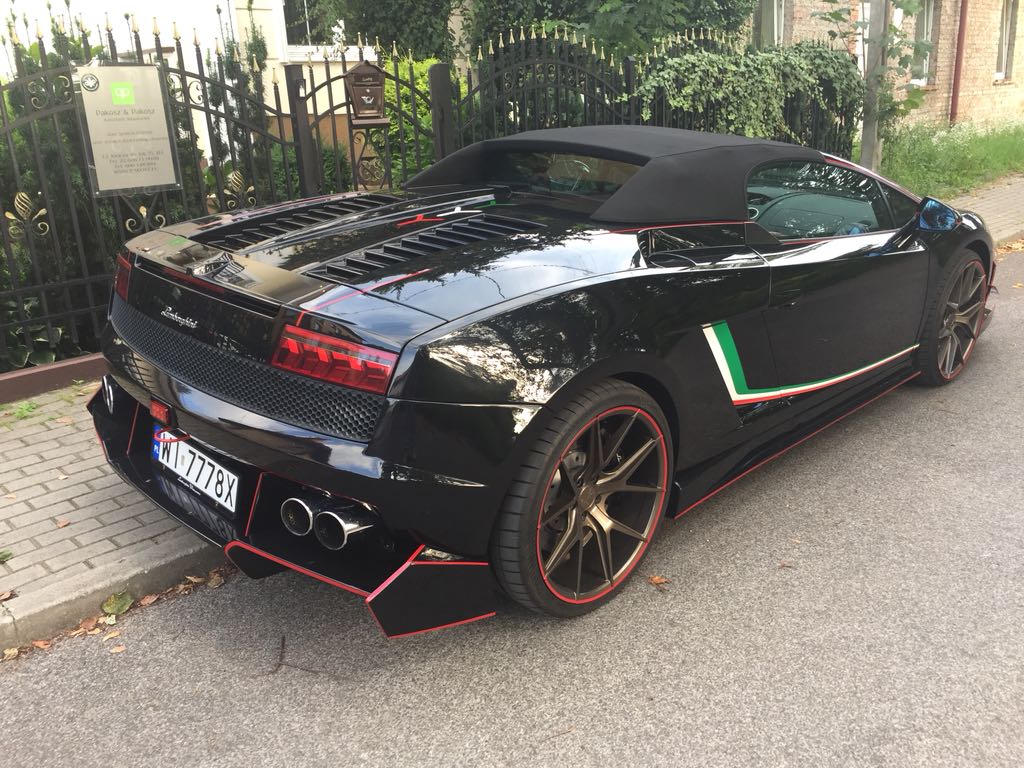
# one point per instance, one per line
(510, 373)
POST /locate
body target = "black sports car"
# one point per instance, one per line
(511, 372)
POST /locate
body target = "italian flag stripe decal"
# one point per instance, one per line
(724, 349)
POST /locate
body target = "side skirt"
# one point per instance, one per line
(690, 494)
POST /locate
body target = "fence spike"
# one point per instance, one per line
(39, 31)
(621, 70)
(479, 53)
(327, 54)
(647, 59)
(273, 76)
(309, 59)
(175, 35)
(602, 53)
(409, 54)
(394, 49)
(156, 28)
(543, 32)
(574, 40)
(501, 40)
(216, 47)
(522, 33)
(593, 47)
(135, 25)
(376, 44)
(254, 66)
(195, 37)
(359, 39)
(490, 47)
(60, 25)
(511, 37)
(611, 61)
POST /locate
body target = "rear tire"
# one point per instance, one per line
(953, 321)
(586, 502)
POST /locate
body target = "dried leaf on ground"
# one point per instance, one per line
(659, 582)
(117, 603)
(62, 522)
(1018, 285)
(62, 476)
(10, 653)
(93, 631)
(111, 635)
(784, 564)
(63, 420)
(11, 496)
(42, 645)
(117, 649)
(109, 620)
(89, 623)
(76, 632)
(216, 580)
(148, 600)
(195, 579)
(7, 595)
(5, 555)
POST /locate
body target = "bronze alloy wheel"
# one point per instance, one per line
(961, 319)
(602, 504)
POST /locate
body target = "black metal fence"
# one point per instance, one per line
(241, 144)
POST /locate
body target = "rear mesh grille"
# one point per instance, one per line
(268, 391)
(252, 231)
(453, 234)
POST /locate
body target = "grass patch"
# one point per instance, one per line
(25, 409)
(944, 162)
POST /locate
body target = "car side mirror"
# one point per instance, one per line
(933, 216)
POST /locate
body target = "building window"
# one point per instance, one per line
(924, 23)
(1007, 33)
(770, 20)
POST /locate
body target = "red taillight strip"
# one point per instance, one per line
(326, 358)
(122, 275)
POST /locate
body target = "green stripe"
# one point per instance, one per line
(732, 360)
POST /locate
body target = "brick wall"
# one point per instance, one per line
(982, 98)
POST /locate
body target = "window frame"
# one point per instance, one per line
(924, 32)
(828, 160)
(1007, 37)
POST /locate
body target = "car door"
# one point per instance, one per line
(846, 296)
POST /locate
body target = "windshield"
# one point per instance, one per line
(567, 173)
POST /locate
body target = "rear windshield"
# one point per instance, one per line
(562, 172)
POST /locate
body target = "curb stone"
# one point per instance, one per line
(45, 612)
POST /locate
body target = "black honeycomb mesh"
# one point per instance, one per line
(257, 387)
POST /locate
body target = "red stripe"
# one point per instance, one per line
(674, 226)
(131, 431)
(293, 566)
(761, 463)
(433, 629)
(252, 507)
(396, 574)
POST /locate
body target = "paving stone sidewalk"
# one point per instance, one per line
(77, 533)
(1000, 204)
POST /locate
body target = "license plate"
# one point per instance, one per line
(199, 471)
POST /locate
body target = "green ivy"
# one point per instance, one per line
(753, 93)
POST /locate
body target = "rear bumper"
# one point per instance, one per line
(387, 567)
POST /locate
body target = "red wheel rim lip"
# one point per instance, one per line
(660, 503)
(977, 325)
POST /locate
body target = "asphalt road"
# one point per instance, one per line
(895, 638)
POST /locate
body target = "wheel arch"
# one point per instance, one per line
(983, 251)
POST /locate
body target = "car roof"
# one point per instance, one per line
(685, 175)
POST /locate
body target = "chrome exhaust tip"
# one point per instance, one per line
(332, 530)
(297, 516)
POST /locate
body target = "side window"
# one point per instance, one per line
(903, 207)
(798, 199)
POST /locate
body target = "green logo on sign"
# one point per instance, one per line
(122, 93)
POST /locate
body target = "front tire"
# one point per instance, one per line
(586, 503)
(954, 321)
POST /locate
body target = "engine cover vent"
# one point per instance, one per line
(247, 232)
(452, 234)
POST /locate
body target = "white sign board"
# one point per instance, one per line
(127, 127)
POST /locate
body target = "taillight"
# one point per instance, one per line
(122, 274)
(341, 362)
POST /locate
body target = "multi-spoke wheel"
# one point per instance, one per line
(954, 321)
(586, 504)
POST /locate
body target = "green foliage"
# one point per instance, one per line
(897, 96)
(419, 25)
(751, 93)
(625, 27)
(944, 161)
(419, 149)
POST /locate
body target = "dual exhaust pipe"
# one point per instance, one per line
(329, 525)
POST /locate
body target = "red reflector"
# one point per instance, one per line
(341, 362)
(121, 276)
(160, 412)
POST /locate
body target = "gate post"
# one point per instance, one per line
(442, 111)
(629, 72)
(302, 131)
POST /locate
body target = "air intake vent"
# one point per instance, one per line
(452, 234)
(248, 232)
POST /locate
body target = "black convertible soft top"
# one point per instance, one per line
(685, 175)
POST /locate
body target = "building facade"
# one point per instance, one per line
(991, 82)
